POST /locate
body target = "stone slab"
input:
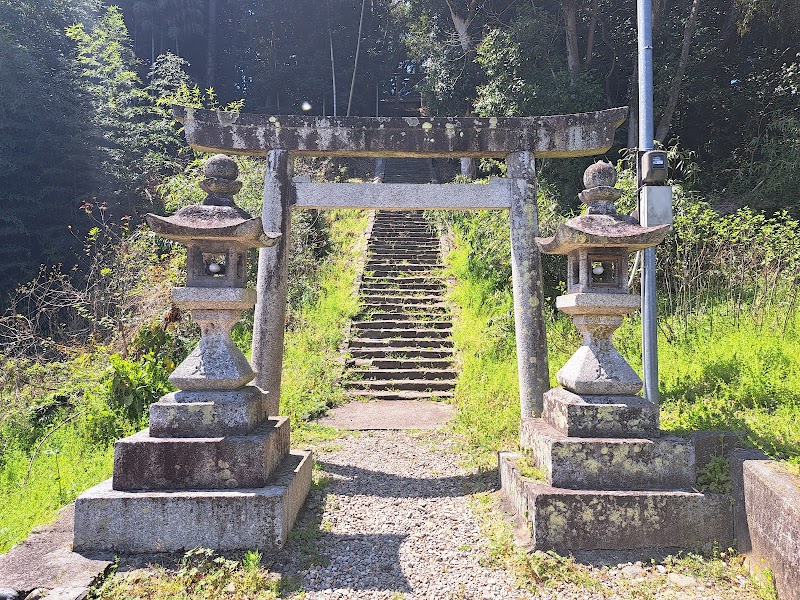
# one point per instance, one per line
(665, 463)
(232, 520)
(573, 520)
(46, 561)
(772, 502)
(143, 462)
(405, 196)
(600, 416)
(552, 136)
(389, 414)
(208, 414)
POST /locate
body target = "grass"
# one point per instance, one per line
(312, 363)
(202, 575)
(66, 466)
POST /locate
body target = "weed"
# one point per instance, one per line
(715, 476)
(528, 469)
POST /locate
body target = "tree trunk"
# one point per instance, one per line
(333, 70)
(461, 23)
(592, 30)
(211, 62)
(569, 8)
(355, 63)
(677, 82)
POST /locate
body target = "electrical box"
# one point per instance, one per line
(655, 205)
(654, 167)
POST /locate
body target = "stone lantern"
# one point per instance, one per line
(214, 470)
(597, 245)
(608, 478)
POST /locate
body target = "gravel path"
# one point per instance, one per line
(397, 524)
(395, 521)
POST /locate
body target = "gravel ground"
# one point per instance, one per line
(397, 521)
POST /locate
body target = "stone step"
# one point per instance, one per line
(400, 395)
(402, 315)
(396, 269)
(407, 334)
(356, 375)
(383, 298)
(404, 280)
(390, 343)
(566, 520)
(406, 352)
(415, 385)
(405, 325)
(376, 288)
(406, 306)
(393, 363)
(421, 265)
(404, 245)
(142, 462)
(663, 463)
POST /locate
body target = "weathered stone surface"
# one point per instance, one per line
(598, 369)
(600, 416)
(602, 231)
(598, 304)
(210, 414)
(772, 501)
(665, 463)
(46, 561)
(233, 520)
(398, 196)
(197, 298)
(553, 136)
(570, 520)
(142, 462)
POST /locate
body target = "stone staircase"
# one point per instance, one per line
(408, 170)
(400, 346)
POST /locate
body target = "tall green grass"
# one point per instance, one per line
(312, 362)
(723, 372)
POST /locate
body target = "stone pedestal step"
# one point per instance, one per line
(419, 385)
(568, 520)
(600, 416)
(400, 394)
(393, 374)
(662, 463)
(142, 462)
(107, 520)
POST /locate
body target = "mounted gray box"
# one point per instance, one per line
(655, 205)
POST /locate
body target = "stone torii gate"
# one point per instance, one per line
(516, 140)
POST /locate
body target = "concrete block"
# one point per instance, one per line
(600, 416)
(570, 520)
(665, 463)
(107, 520)
(772, 501)
(736, 459)
(210, 414)
(708, 444)
(143, 462)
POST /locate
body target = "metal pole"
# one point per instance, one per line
(646, 135)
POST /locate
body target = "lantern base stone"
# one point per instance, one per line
(143, 462)
(663, 463)
(113, 521)
(210, 414)
(567, 520)
(577, 415)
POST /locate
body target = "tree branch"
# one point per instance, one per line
(677, 82)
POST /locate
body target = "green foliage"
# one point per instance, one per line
(202, 574)
(134, 385)
(715, 476)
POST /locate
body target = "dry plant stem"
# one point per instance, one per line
(44, 439)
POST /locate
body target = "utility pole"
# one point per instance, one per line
(646, 136)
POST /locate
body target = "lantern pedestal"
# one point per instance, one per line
(214, 470)
(595, 472)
